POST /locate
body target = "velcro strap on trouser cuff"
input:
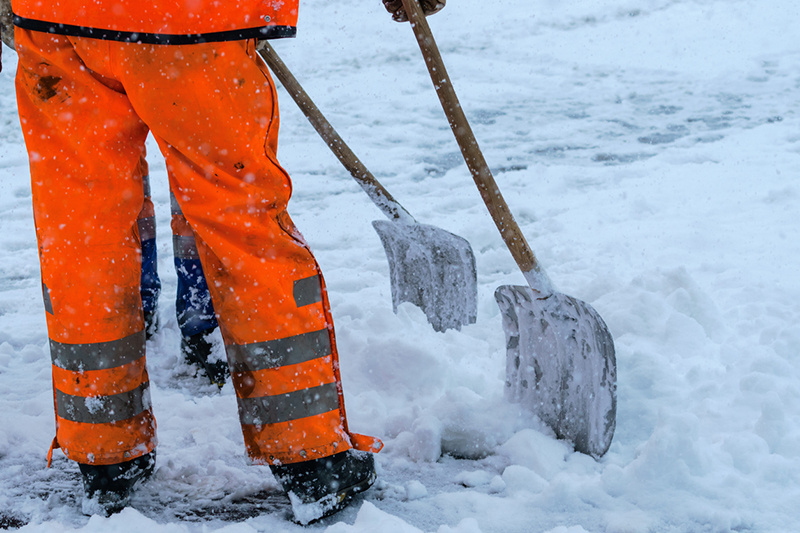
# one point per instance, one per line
(365, 443)
(53, 446)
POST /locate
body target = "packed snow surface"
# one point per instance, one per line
(650, 150)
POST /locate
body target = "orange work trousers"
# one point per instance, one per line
(86, 107)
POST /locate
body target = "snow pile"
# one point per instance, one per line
(650, 152)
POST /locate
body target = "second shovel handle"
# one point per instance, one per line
(380, 196)
(501, 214)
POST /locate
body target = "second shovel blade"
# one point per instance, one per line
(561, 364)
(433, 269)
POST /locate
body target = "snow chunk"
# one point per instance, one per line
(424, 442)
(473, 479)
(415, 490)
(468, 525)
(497, 485)
(370, 518)
(542, 454)
(519, 478)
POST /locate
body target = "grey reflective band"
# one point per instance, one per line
(104, 409)
(291, 406)
(97, 355)
(280, 352)
(146, 185)
(48, 304)
(175, 207)
(307, 291)
(147, 228)
(184, 247)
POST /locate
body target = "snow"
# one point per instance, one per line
(650, 151)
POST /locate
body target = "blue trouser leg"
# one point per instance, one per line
(193, 305)
(150, 283)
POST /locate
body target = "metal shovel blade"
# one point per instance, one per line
(560, 363)
(433, 269)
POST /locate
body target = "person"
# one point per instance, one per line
(92, 82)
(194, 309)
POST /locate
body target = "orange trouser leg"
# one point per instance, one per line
(215, 118)
(85, 143)
(213, 111)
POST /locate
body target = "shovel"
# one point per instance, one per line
(428, 266)
(560, 358)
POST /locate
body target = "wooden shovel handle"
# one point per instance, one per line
(510, 231)
(377, 193)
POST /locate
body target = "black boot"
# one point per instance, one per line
(196, 350)
(107, 488)
(324, 486)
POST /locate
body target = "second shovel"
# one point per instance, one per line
(561, 361)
